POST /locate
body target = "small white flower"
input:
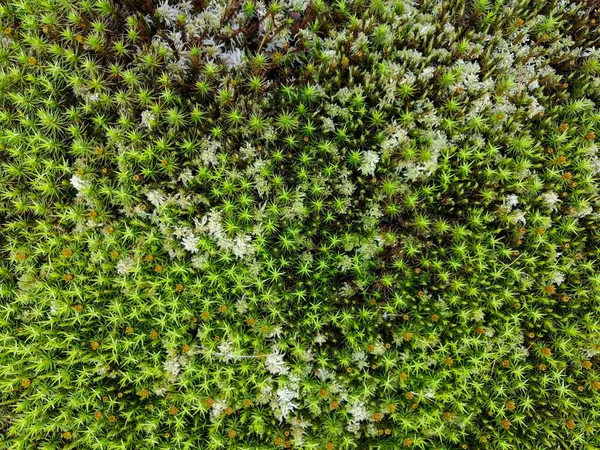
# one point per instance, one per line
(241, 306)
(226, 351)
(209, 153)
(248, 152)
(242, 246)
(320, 339)
(285, 405)
(232, 59)
(518, 216)
(156, 197)
(551, 199)
(148, 118)
(427, 74)
(172, 366)
(276, 332)
(217, 409)
(200, 261)
(124, 266)
(429, 394)
(533, 85)
(212, 47)
(557, 278)
(5, 41)
(160, 391)
(595, 161)
(298, 427)
(96, 257)
(168, 13)
(449, 28)
(79, 183)
(360, 358)
(358, 413)
(511, 201)
(186, 176)
(346, 187)
(343, 95)
(369, 162)
(275, 364)
(190, 243)
(379, 349)
(535, 108)
(345, 263)
(323, 374)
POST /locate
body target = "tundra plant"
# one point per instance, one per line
(268, 224)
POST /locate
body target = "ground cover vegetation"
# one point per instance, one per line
(247, 224)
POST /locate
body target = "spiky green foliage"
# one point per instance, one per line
(299, 224)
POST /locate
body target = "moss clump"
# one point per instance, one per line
(299, 224)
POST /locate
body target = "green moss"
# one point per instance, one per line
(299, 224)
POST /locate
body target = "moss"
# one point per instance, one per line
(299, 224)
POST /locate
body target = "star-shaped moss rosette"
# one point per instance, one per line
(361, 224)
